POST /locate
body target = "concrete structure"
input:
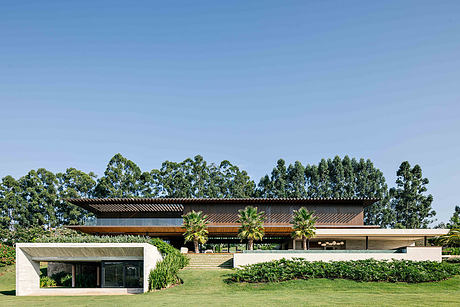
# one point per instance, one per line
(409, 253)
(29, 256)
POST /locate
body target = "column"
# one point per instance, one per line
(98, 272)
(73, 275)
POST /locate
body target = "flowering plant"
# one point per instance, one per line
(7, 255)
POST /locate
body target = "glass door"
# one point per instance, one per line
(133, 275)
(113, 275)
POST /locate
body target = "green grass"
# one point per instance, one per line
(206, 288)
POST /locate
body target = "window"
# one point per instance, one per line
(122, 274)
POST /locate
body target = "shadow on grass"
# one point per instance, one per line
(8, 292)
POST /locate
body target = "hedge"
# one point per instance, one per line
(360, 270)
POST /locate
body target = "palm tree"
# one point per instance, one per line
(252, 225)
(195, 225)
(452, 238)
(303, 225)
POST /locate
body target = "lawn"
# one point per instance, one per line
(206, 287)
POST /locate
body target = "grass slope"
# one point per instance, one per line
(206, 287)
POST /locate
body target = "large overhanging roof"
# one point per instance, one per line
(99, 205)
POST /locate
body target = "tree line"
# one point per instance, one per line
(39, 197)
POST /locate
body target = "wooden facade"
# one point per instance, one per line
(222, 214)
(279, 213)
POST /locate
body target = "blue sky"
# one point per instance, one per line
(246, 81)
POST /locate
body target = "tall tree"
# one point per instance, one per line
(303, 225)
(454, 221)
(10, 203)
(122, 178)
(411, 206)
(275, 186)
(348, 177)
(296, 181)
(313, 181)
(370, 183)
(73, 183)
(171, 181)
(195, 226)
(337, 177)
(351, 178)
(232, 182)
(252, 225)
(38, 196)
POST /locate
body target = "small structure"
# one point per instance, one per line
(116, 268)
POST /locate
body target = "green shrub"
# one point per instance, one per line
(46, 281)
(165, 273)
(453, 260)
(7, 255)
(361, 270)
(451, 251)
(163, 247)
(27, 234)
(63, 279)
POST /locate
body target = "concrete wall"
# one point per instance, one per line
(413, 253)
(360, 243)
(151, 257)
(27, 273)
(29, 255)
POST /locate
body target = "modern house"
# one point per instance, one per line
(124, 268)
(340, 224)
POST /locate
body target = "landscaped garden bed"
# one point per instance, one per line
(360, 270)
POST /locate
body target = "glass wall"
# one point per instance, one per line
(135, 222)
(122, 274)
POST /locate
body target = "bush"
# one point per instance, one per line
(453, 260)
(165, 273)
(75, 237)
(361, 270)
(27, 234)
(63, 279)
(7, 255)
(46, 281)
(451, 251)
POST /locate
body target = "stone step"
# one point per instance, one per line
(210, 261)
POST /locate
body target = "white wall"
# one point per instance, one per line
(27, 273)
(151, 257)
(413, 253)
(28, 270)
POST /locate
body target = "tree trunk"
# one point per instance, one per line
(251, 244)
(304, 243)
(195, 242)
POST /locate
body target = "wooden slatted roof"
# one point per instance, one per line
(107, 205)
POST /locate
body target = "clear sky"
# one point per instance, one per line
(247, 81)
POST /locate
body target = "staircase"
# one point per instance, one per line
(210, 261)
